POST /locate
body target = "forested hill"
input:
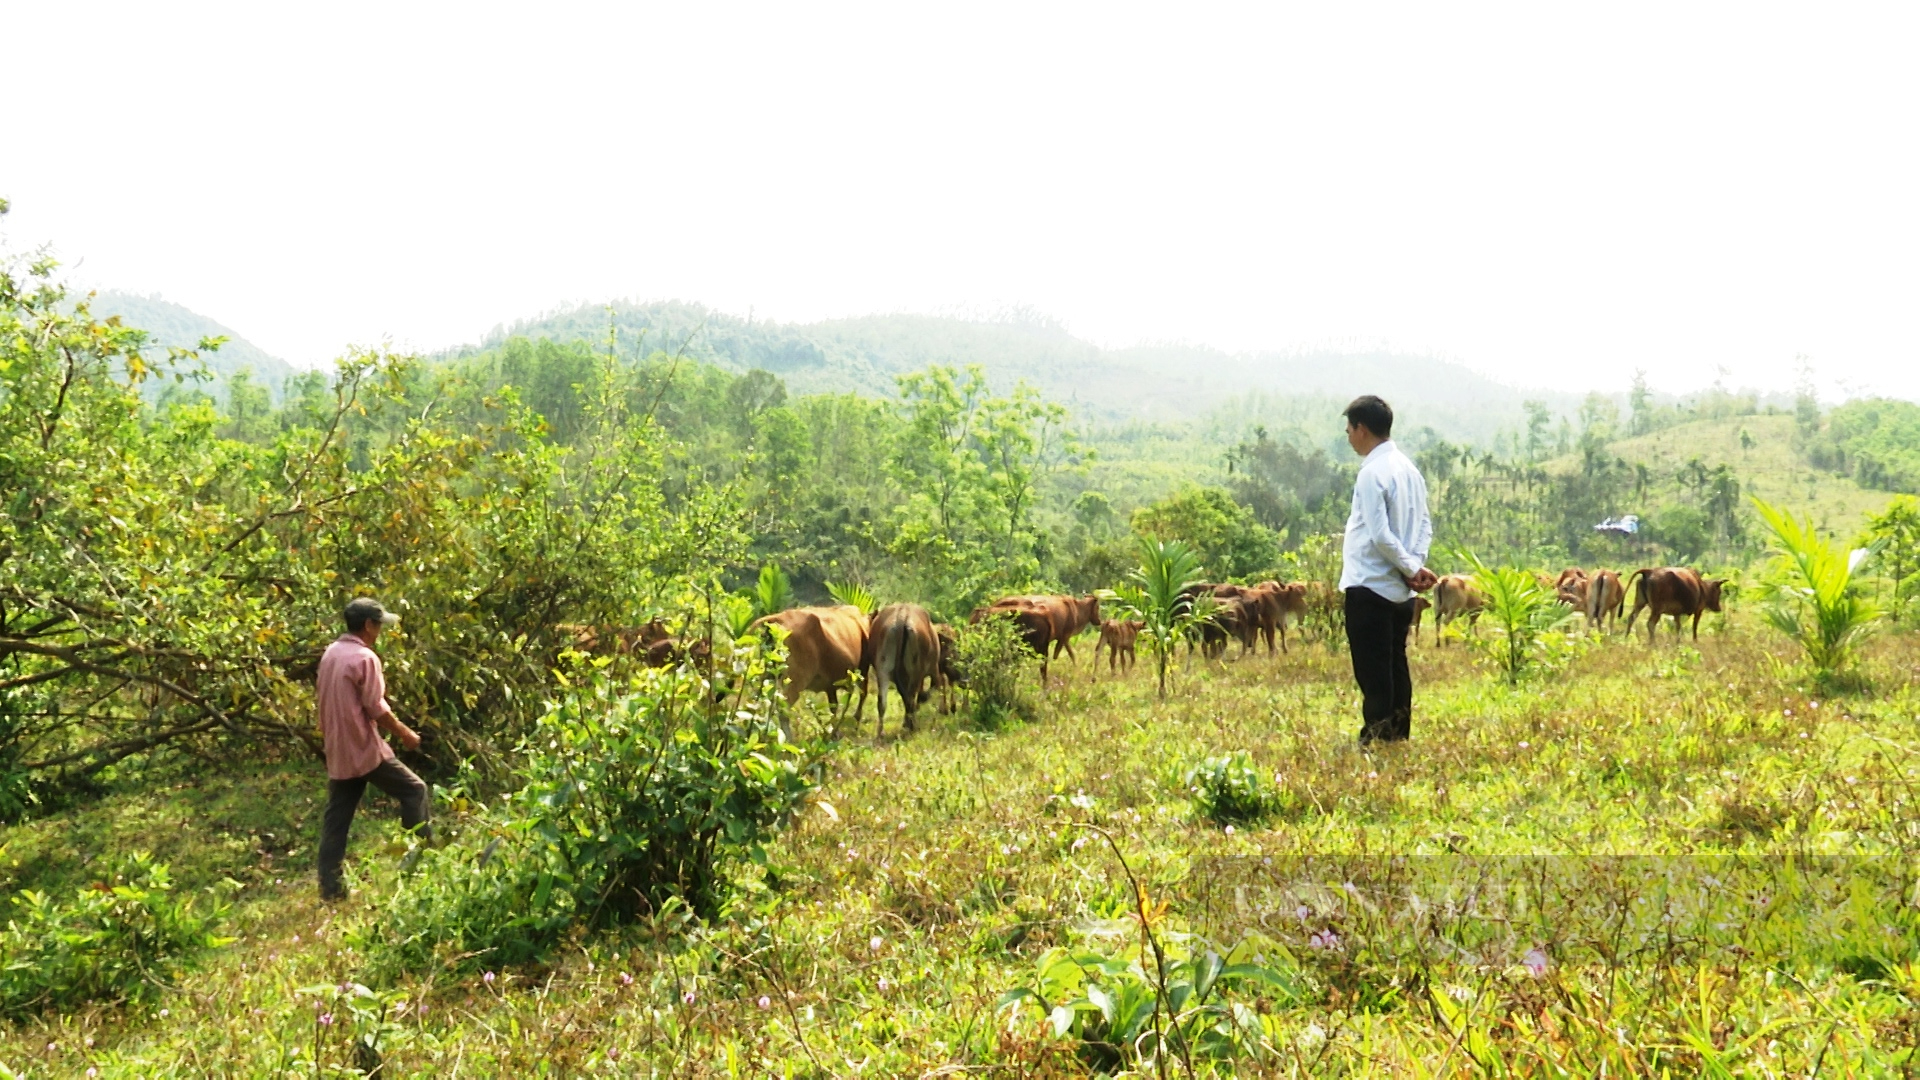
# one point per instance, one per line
(169, 324)
(1151, 383)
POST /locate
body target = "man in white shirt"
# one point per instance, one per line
(1383, 565)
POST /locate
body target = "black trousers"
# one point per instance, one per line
(343, 799)
(1377, 639)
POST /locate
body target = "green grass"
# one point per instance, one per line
(1720, 873)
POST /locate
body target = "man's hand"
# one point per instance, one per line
(1424, 580)
(409, 738)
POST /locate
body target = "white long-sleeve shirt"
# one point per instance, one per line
(1388, 532)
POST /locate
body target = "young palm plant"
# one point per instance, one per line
(1522, 609)
(772, 593)
(853, 595)
(1156, 597)
(1816, 605)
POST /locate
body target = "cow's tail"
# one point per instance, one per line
(889, 657)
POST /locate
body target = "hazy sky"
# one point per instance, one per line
(1554, 194)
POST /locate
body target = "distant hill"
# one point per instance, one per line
(169, 324)
(1146, 383)
(1766, 462)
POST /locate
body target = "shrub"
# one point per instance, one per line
(635, 800)
(1229, 790)
(117, 941)
(992, 655)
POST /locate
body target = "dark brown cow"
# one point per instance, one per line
(949, 674)
(901, 651)
(1453, 596)
(1118, 638)
(1420, 606)
(1675, 591)
(824, 646)
(1238, 613)
(1606, 597)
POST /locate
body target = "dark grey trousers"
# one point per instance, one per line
(343, 799)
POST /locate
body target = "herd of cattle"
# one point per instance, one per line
(901, 648)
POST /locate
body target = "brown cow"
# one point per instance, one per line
(902, 651)
(1420, 606)
(1281, 606)
(1118, 637)
(1570, 588)
(1606, 597)
(948, 675)
(1240, 613)
(1455, 595)
(1675, 591)
(824, 646)
(1046, 622)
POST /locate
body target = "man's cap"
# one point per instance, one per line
(364, 609)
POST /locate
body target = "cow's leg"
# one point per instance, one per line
(1696, 626)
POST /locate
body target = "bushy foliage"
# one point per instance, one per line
(1222, 534)
(992, 656)
(1229, 789)
(1874, 440)
(116, 940)
(636, 798)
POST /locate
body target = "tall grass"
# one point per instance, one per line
(1813, 600)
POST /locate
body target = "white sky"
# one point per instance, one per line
(1554, 194)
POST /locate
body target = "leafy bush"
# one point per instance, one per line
(635, 800)
(1137, 1007)
(1230, 790)
(117, 941)
(1814, 603)
(992, 654)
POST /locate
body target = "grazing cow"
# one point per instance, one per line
(1570, 588)
(1281, 606)
(1232, 617)
(1675, 591)
(1453, 596)
(1117, 636)
(824, 646)
(902, 651)
(1606, 597)
(949, 675)
(1420, 606)
(650, 641)
(1046, 622)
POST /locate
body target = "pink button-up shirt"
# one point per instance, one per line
(351, 692)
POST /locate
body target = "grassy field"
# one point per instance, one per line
(1769, 468)
(1654, 862)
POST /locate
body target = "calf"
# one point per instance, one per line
(1570, 588)
(1117, 637)
(1675, 591)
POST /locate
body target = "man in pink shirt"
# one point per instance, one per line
(351, 692)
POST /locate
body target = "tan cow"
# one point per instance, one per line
(1570, 588)
(1606, 597)
(1117, 637)
(1455, 595)
(1675, 591)
(903, 651)
(1420, 606)
(824, 646)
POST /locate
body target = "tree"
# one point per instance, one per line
(1640, 403)
(1221, 533)
(1539, 424)
(1897, 530)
